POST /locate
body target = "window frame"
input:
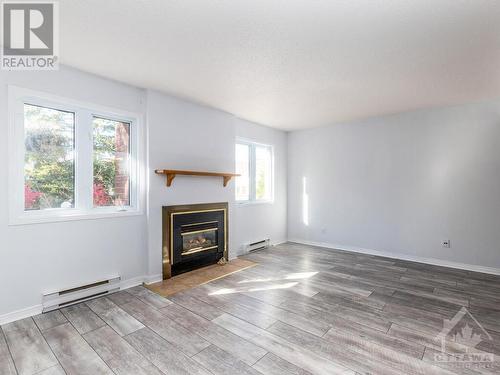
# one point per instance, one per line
(83, 159)
(252, 177)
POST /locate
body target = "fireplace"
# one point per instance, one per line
(194, 236)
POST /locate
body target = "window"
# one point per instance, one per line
(49, 160)
(254, 162)
(70, 161)
(111, 162)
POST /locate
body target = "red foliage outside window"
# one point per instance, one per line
(30, 196)
(101, 197)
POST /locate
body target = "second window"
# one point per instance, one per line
(254, 163)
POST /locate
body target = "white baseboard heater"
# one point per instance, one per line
(258, 245)
(67, 297)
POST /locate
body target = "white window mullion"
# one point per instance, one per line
(135, 186)
(83, 165)
(252, 173)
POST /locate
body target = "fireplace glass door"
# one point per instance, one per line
(197, 237)
(195, 241)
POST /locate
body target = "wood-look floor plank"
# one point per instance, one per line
(182, 338)
(164, 355)
(355, 302)
(121, 298)
(315, 327)
(223, 304)
(490, 319)
(330, 284)
(197, 306)
(271, 364)
(114, 316)
(431, 283)
(291, 352)
(73, 352)
(428, 339)
(56, 370)
(336, 351)
(377, 299)
(6, 363)
(222, 338)
(380, 279)
(222, 363)
(82, 318)
(440, 297)
(118, 354)
(364, 333)
(429, 304)
(49, 320)
(361, 355)
(328, 313)
(148, 297)
(30, 352)
(488, 303)
(414, 318)
(250, 315)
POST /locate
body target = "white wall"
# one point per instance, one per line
(401, 184)
(258, 221)
(46, 257)
(187, 136)
(51, 256)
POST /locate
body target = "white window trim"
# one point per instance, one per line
(251, 171)
(84, 112)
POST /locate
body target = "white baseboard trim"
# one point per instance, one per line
(278, 242)
(400, 256)
(37, 309)
(20, 314)
(153, 279)
(130, 283)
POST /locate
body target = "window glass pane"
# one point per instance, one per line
(242, 167)
(111, 162)
(49, 167)
(263, 171)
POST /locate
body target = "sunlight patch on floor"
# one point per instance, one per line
(256, 289)
(290, 276)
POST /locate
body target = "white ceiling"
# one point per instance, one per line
(292, 64)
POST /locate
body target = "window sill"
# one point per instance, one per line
(42, 218)
(254, 203)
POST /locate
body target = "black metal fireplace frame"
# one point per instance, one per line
(172, 263)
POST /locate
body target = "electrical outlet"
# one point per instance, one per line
(446, 244)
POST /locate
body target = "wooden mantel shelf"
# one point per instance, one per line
(171, 173)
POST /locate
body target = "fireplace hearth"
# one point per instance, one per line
(194, 236)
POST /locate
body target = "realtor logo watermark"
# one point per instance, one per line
(458, 340)
(30, 35)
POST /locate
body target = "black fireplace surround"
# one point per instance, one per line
(194, 236)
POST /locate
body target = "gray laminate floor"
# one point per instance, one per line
(302, 310)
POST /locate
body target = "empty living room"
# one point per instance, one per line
(250, 187)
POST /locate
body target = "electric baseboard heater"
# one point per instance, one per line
(70, 296)
(258, 245)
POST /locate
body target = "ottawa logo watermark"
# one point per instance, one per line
(30, 35)
(458, 340)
